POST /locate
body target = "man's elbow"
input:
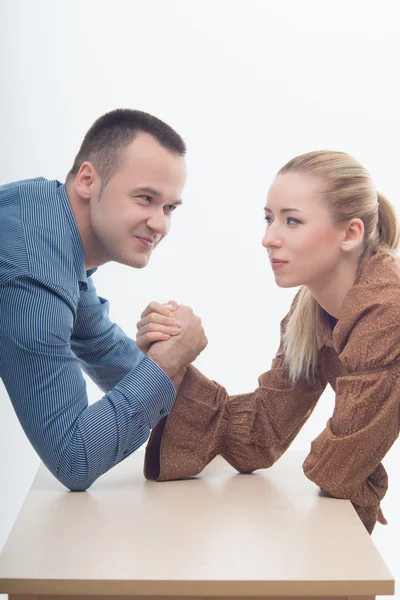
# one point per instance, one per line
(73, 469)
(75, 481)
(77, 486)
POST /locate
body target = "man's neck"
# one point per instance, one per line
(94, 254)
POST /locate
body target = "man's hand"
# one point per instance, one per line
(157, 323)
(180, 349)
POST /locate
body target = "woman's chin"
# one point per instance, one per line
(283, 282)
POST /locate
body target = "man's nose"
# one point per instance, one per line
(158, 222)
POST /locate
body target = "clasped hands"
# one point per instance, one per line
(172, 336)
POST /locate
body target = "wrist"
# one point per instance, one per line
(163, 362)
(178, 378)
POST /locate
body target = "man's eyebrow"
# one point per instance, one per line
(150, 190)
(284, 210)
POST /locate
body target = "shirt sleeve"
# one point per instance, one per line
(251, 431)
(44, 380)
(345, 459)
(106, 354)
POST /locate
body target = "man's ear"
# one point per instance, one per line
(85, 180)
(354, 234)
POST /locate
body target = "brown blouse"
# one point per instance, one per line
(359, 358)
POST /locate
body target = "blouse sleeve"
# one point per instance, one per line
(251, 431)
(345, 459)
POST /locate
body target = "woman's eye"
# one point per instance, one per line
(289, 220)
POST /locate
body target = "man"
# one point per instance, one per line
(116, 205)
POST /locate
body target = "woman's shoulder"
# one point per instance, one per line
(368, 332)
(379, 268)
(377, 282)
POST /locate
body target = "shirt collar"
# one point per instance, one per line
(326, 329)
(77, 248)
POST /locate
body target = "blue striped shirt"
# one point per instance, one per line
(53, 325)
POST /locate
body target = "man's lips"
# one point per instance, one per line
(146, 241)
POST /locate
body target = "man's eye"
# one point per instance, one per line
(147, 198)
(170, 208)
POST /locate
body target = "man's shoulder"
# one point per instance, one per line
(13, 252)
(35, 233)
(14, 186)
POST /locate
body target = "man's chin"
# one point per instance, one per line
(136, 262)
(140, 263)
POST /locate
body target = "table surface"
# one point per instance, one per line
(270, 533)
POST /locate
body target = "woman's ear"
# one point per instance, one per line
(354, 235)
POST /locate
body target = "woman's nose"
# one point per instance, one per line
(271, 238)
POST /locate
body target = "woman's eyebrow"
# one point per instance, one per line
(284, 210)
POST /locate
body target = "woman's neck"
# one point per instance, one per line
(331, 293)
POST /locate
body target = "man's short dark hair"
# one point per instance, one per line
(113, 132)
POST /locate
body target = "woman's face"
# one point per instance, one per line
(303, 244)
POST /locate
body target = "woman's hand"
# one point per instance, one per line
(381, 518)
(178, 378)
(157, 324)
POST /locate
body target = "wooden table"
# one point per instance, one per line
(266, 535)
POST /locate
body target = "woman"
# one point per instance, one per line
(331, 233)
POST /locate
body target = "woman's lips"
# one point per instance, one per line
(277, 264)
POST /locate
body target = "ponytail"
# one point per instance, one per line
(388, 229)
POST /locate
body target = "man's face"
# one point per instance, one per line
(132, 213)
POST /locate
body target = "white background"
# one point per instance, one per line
(248, 84)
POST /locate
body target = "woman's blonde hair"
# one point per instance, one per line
(350, 193)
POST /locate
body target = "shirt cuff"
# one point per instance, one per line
(151, 388)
